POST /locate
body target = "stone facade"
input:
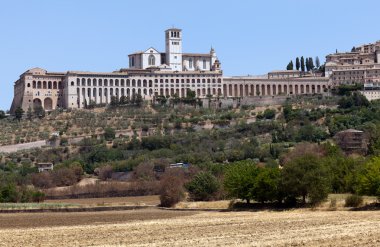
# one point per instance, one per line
(361, 65)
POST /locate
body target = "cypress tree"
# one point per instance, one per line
(307, 65)
(317, 62)
(302, 64)
(289, 66)
(311, 63)
(297, 63)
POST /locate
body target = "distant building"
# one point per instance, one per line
(153, 73)
(371, 91)
(43, 167)
(352, 141)
(361, 65)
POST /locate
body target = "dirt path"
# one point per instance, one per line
(294, 228)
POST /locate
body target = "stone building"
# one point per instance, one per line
(352, 141)
(152, 73)
(361, 65)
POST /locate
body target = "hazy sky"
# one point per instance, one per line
(250, 37)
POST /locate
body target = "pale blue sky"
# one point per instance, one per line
(250, 37)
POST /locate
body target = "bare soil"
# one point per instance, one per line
(155, 227)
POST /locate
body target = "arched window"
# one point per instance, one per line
(151, 60)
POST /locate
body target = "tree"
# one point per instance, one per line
(302, 64)
(2, 114)
(297, 63)
(39, 111)
(290, 66)
(305, 177)
(353, 49)
(317, 62)
(240, 179)
(266, 187)
(19, 113)
(269, 113)
(109, 134)
(369, 178)
(139, 100)
(311, 63)
(114, 101)
(123, 100)
(203, 187)
(307, 65)
(355, 100)
(29, 113)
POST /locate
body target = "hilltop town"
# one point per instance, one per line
(173, 131)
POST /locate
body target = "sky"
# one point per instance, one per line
(250, 37)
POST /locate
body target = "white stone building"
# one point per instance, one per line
(152, 73)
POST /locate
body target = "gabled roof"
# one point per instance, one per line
(146, 51)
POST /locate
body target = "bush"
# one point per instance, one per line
(42, 180)
(203, 187)
(105, 172)
(353, 201)
(109, 134)
(171, 191)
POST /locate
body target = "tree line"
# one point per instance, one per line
(304, 65)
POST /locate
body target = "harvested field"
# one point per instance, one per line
(155, 227)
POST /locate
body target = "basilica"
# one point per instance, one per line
(153, 73)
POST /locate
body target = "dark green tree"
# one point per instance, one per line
(302, 64)
(139, 100)
(266, 187)
(19, 113)
(2, 114)
(307, 65)
(109, 134)
(305, 177)
(203, 187)
(290, 66)
(39, 111)
(114, 101)
(311, 63)
(298, 63)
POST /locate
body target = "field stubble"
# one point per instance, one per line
(155, 227)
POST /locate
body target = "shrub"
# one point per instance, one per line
(353, 201)
(42, 180)
(203, 187)
(109, 134)
(105, 172)
(144, 171)
(171, 191)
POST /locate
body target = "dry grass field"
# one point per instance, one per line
(157, 227)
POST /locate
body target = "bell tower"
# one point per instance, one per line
(173, 37)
